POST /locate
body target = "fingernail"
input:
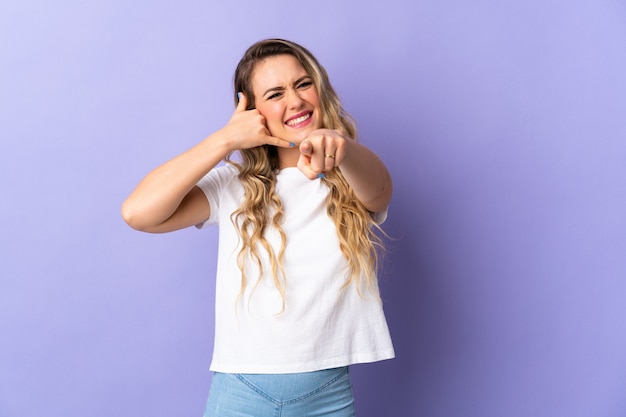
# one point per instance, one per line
(321, 175)
(292, 144)
(238, 96)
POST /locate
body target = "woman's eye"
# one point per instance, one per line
(305, 84)
(273, 96)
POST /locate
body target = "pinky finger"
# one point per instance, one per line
(271, 140)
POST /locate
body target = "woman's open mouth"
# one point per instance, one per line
(299, 119)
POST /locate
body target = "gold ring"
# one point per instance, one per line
(330, 156)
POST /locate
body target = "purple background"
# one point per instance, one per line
(502, 122)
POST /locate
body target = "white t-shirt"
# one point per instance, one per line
(321, 326)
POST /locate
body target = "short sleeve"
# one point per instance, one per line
(212, 185)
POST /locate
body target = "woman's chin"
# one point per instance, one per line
(299, 137)
(296, 136)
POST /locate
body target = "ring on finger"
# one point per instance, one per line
(329, 156)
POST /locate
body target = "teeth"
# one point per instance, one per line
(299, 120)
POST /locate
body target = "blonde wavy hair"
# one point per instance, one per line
(257, 172)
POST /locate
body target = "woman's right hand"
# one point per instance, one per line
(167, 198)
(247, 129)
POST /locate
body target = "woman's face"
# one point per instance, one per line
(285, 95)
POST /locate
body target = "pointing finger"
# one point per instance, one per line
(306, 148)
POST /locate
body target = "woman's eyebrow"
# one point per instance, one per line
(298, 81)
(273, 89)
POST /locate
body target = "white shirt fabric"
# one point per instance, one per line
(322, 326)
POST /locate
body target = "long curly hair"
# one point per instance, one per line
(257, 172)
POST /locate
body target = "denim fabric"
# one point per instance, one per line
(321, 393)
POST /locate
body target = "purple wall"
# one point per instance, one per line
(503, 126)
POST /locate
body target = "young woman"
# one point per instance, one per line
(296, 292)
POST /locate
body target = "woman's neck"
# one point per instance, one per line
(288, 157)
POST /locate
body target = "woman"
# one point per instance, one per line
(296, 292)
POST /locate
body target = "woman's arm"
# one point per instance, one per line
(167, 198)
(362, 168)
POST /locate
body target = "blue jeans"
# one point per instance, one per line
(320, 393)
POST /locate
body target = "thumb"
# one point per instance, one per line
(243, 102)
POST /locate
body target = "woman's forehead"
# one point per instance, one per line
(277, 70)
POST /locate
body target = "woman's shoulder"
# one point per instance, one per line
(219, 177)
(226, 171)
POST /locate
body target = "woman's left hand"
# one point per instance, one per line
(324, 150)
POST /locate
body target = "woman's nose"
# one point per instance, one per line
(294, 100)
